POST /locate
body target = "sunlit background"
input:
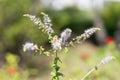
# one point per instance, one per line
(77, 15)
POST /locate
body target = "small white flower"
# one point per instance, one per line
(66, 34)
(49, 29)
(37, 21)
(33, 18)
(56, 43)
(47, 23)
(35, 48)
(47, 19)
(30, 47)
(107, 59)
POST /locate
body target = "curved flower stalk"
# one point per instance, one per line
(103, 61)
(57, 42)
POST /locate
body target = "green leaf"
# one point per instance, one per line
(60, 74)
(41, 48)
(57, 68)
(72, 44)
(65, 50)
(53, 74)
(47, 53)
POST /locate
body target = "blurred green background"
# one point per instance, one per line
(78, 15)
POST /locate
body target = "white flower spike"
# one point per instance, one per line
(87, 33)
(107, 59)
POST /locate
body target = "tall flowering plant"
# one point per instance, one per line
(58, 42)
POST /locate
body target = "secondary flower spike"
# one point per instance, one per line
(107, 59)
(44, 25)
(66, 34)
(30, 47)
(87, 33)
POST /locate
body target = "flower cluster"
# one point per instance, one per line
(87, 33)
(60, 42)
(107, 59)
(56, 43)
(30, 47)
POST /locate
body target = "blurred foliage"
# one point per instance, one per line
(73, 18)
(14, 29)
(12, 60)
(11, 71)
(111, 16)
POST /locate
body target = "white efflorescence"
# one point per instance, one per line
(66, 34)
(30, 47)
(56, 43)
(107, 59)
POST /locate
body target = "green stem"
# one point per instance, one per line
(56, 67)
(88, 73)
(56, 71)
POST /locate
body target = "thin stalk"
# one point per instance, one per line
(89, 72)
